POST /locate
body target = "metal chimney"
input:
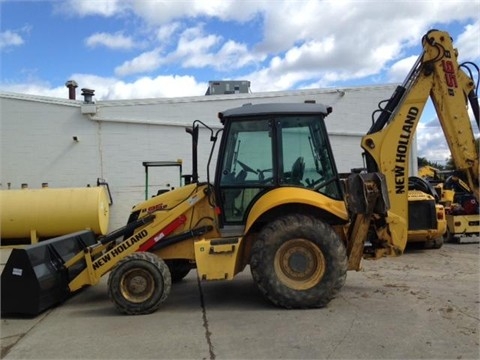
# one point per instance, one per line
(88, 95)
(71, 85)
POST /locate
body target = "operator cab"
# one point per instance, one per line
(265, 146)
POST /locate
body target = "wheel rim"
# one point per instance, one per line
(299, 264)
(137, 285)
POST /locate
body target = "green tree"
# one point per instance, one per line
(422, 161)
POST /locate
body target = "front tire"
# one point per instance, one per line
(298, 262)
(139, 283)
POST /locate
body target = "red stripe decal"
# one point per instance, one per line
(167, 230)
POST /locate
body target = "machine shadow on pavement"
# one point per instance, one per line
(186, 296)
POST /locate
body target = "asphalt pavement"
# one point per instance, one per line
(424, 304)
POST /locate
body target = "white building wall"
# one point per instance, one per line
(37, 145)
(115, 137)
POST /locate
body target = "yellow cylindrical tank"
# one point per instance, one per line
(50, 212)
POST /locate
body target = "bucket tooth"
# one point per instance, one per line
(35, 278)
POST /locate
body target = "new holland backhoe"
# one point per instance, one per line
(276, 203)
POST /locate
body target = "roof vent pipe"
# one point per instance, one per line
(88, 95)
(71, 85)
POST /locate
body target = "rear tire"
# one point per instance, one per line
(139, 283)
(448, 237)
(438, 242)
(434, 243)
(298, 262)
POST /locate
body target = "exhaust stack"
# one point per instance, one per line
(71, 85)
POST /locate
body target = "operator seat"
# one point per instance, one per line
(240, 179)
(298, 169)
(229, 195)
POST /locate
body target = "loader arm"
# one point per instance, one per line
(435, 75)
(143, 239)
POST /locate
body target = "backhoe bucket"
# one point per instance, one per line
(35, 278)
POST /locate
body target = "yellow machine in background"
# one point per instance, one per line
(422, 204)
(421, 228)
(276, 203)
(461, 206)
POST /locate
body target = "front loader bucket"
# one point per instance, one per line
(35, 278)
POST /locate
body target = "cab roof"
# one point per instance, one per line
(249, 110)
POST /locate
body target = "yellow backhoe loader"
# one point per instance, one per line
(275, 203)
(461, 207)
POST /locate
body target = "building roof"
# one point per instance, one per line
(201, 98)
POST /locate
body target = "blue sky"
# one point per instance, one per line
(139, 49)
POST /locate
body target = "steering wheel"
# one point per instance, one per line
(246, 167)
(261, 174)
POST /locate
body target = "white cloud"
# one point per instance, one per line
(160, 86)
(10, 38)
(162, 12)
(399, 70)
(431, 143)
(195, 41)
(82, 8)
(198, 50)
(468, 43)
(110, 88)
(235, 55)
(112, 41)
(366, 36)
(145, 62)
(194, 50)
(166, 32)
(319, 43)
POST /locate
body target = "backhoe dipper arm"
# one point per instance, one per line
(387, 145)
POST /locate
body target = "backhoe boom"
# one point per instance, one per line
(438, 76)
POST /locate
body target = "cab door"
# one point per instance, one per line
(247, 166)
